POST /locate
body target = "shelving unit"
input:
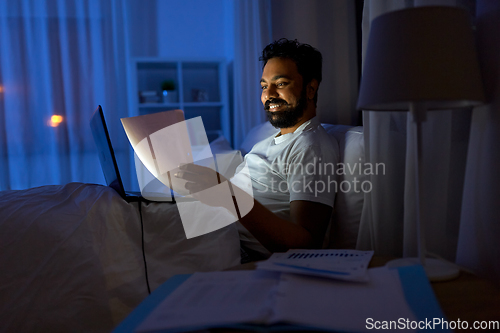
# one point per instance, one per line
(201, 90)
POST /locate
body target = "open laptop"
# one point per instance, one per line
(108, 162)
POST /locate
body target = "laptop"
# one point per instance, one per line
(110, 167)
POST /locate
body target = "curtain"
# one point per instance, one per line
(252, 21)
(451, 174)
(59, 59)
(478, 246)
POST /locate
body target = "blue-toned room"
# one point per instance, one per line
(249, 165)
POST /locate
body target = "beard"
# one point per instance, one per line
(288, 118)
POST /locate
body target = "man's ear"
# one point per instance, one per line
(312, 88)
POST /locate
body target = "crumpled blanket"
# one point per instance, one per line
(71, 256)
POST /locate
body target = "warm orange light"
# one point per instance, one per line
(1, 89)
(55, 120)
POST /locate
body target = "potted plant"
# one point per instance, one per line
(168, 91)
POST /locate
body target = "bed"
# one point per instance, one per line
(71, 256)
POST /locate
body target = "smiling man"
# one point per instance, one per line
(288, 171)
(294, 198)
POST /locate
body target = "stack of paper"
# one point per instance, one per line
(337, 264)
(229, 299)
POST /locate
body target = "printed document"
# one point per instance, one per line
(349, 265)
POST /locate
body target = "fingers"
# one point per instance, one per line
(190, 167)
(196, 174)
(197, 178)
(200, 170)
(189, 176)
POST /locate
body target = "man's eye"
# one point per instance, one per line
(263, 87)
(281, 84)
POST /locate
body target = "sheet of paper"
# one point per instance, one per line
(338, 264)
(341, 305)
(215, 299)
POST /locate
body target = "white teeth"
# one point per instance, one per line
(274, 106)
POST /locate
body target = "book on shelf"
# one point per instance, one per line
(149, 96)
(145, 93)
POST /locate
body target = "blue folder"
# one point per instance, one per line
(416, 287)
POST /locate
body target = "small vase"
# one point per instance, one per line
(169, 96)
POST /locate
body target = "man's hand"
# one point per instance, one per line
(198, 178)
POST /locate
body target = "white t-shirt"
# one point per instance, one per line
(294, 166)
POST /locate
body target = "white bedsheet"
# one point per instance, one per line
(71, 258)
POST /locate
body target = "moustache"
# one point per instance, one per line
(273, 101)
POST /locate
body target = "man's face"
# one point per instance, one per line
(283, 93)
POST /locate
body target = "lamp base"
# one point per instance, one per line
(435, 269)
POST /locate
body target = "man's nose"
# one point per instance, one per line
(271, 92)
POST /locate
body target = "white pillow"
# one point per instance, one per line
(228, 159)
(220, 145)
(256, 134)
(343, 232)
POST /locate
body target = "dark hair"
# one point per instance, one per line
(308, 59)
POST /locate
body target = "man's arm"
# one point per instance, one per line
(309, 221)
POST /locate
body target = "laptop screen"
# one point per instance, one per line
(105, 151)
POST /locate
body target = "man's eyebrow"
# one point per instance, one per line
(275, 78)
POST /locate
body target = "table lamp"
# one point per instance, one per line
(421, 59)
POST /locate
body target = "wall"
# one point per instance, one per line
(195, 28)
(330, 26)
(143, 32)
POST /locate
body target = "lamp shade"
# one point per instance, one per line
(421, 55)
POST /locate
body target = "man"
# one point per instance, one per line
(293, 200)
